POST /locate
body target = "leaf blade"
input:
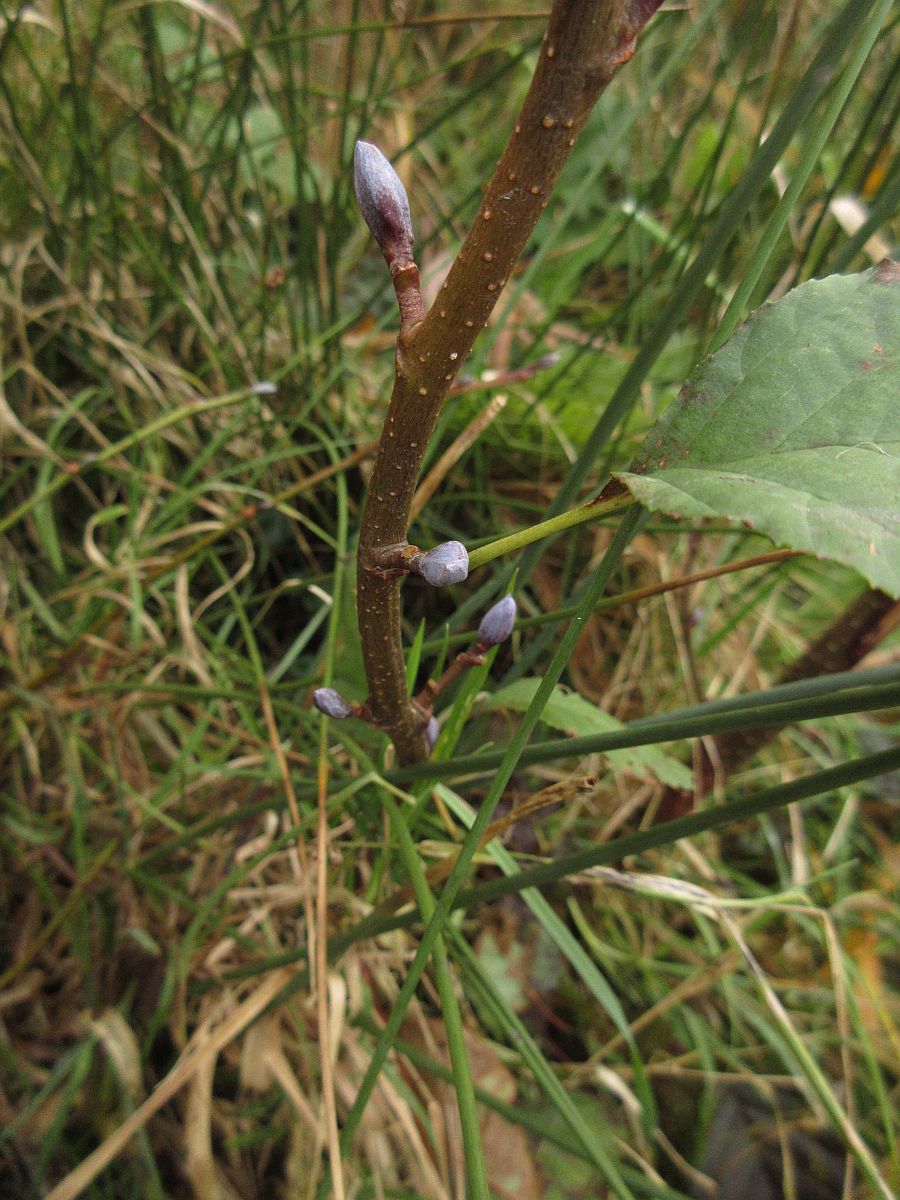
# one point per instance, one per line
(793, 427)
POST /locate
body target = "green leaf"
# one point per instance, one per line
(573, 715)
(793, 427)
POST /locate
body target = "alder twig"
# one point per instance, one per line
(496, 626)
(585, 44)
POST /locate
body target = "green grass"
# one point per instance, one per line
(176, 574)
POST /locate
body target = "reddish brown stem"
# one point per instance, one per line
(462, 663)
(585, 43)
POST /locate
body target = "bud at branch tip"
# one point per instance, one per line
(497, 623)
(383, 203)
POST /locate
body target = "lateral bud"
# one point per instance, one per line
(383, 203)
(432, 732)
(332, 704)
(445, 564)
(497, 623)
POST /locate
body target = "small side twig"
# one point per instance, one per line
(496, 626)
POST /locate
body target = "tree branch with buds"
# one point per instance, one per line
(585, 44)
(496, 626)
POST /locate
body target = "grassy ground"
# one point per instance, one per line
(176, 575)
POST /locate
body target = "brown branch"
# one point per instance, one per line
(846, 641)
(585, 43)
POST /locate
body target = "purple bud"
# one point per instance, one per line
(497, 623)
(445, 564)
(546, 361)
(331, 703)
(383, 202)
(432, 732)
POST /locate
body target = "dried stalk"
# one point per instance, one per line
(585, 44)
